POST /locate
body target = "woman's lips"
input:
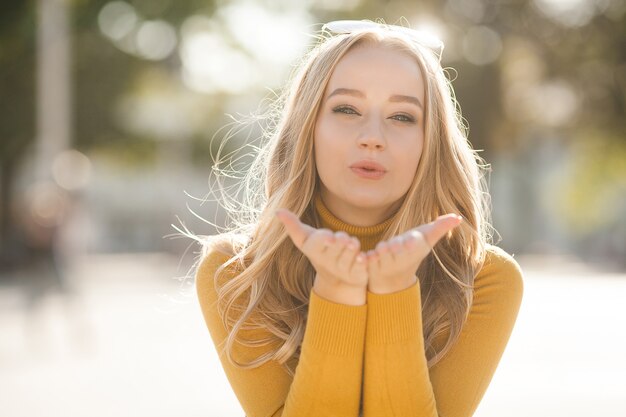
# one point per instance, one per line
(368, 173)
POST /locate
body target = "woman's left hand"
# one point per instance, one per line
(392, 264)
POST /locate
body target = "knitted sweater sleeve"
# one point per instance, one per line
(328, 377)
(397, 381)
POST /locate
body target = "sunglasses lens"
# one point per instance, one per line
(347, 26)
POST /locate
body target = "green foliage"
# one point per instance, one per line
(126, 152)
(591, 194)
(17, 73)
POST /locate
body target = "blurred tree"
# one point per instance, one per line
(101, 73)
(17, 105)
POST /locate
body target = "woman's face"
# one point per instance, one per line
(372, 110)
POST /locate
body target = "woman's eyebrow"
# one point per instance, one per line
(397, 98)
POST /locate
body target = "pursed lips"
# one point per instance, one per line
(369, 165)
(368, 169)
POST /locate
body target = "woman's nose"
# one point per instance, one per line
(372, 135)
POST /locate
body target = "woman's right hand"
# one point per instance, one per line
(341, 268)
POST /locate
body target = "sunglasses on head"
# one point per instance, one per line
(423, 38)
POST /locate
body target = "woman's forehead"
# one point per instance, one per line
(376, 68)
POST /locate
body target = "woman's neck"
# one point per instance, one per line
(369, 236)
(357, 215)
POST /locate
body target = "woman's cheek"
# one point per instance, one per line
(341, 126)
(330, 127)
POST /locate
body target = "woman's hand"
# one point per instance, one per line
(391, 266)
(341, 270)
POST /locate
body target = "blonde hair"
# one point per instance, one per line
(263, 293)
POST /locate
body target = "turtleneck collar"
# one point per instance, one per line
(369, 236)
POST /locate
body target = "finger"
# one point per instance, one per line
(438, 228)
(386, 259)
(347, 257)
(336, 247)
(318, 242)
(359, 267)
(415, 239)
(372, 261)
(297, 231)
(396, 245)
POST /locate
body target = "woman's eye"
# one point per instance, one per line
(344, 109)
(404, 118)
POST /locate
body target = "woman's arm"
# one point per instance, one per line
(328, 377)
(397, 381)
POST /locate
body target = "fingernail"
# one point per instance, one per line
(459, 217)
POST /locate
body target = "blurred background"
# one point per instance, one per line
(110, 112)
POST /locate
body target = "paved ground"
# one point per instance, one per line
(131, 342)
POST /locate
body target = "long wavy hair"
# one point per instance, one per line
(256, 287)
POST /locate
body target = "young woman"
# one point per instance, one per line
(355, 288)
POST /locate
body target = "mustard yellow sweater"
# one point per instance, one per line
(370, 360)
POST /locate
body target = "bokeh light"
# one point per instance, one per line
(117, 19)
(156, 39)
(71, 169)
(481, 45)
